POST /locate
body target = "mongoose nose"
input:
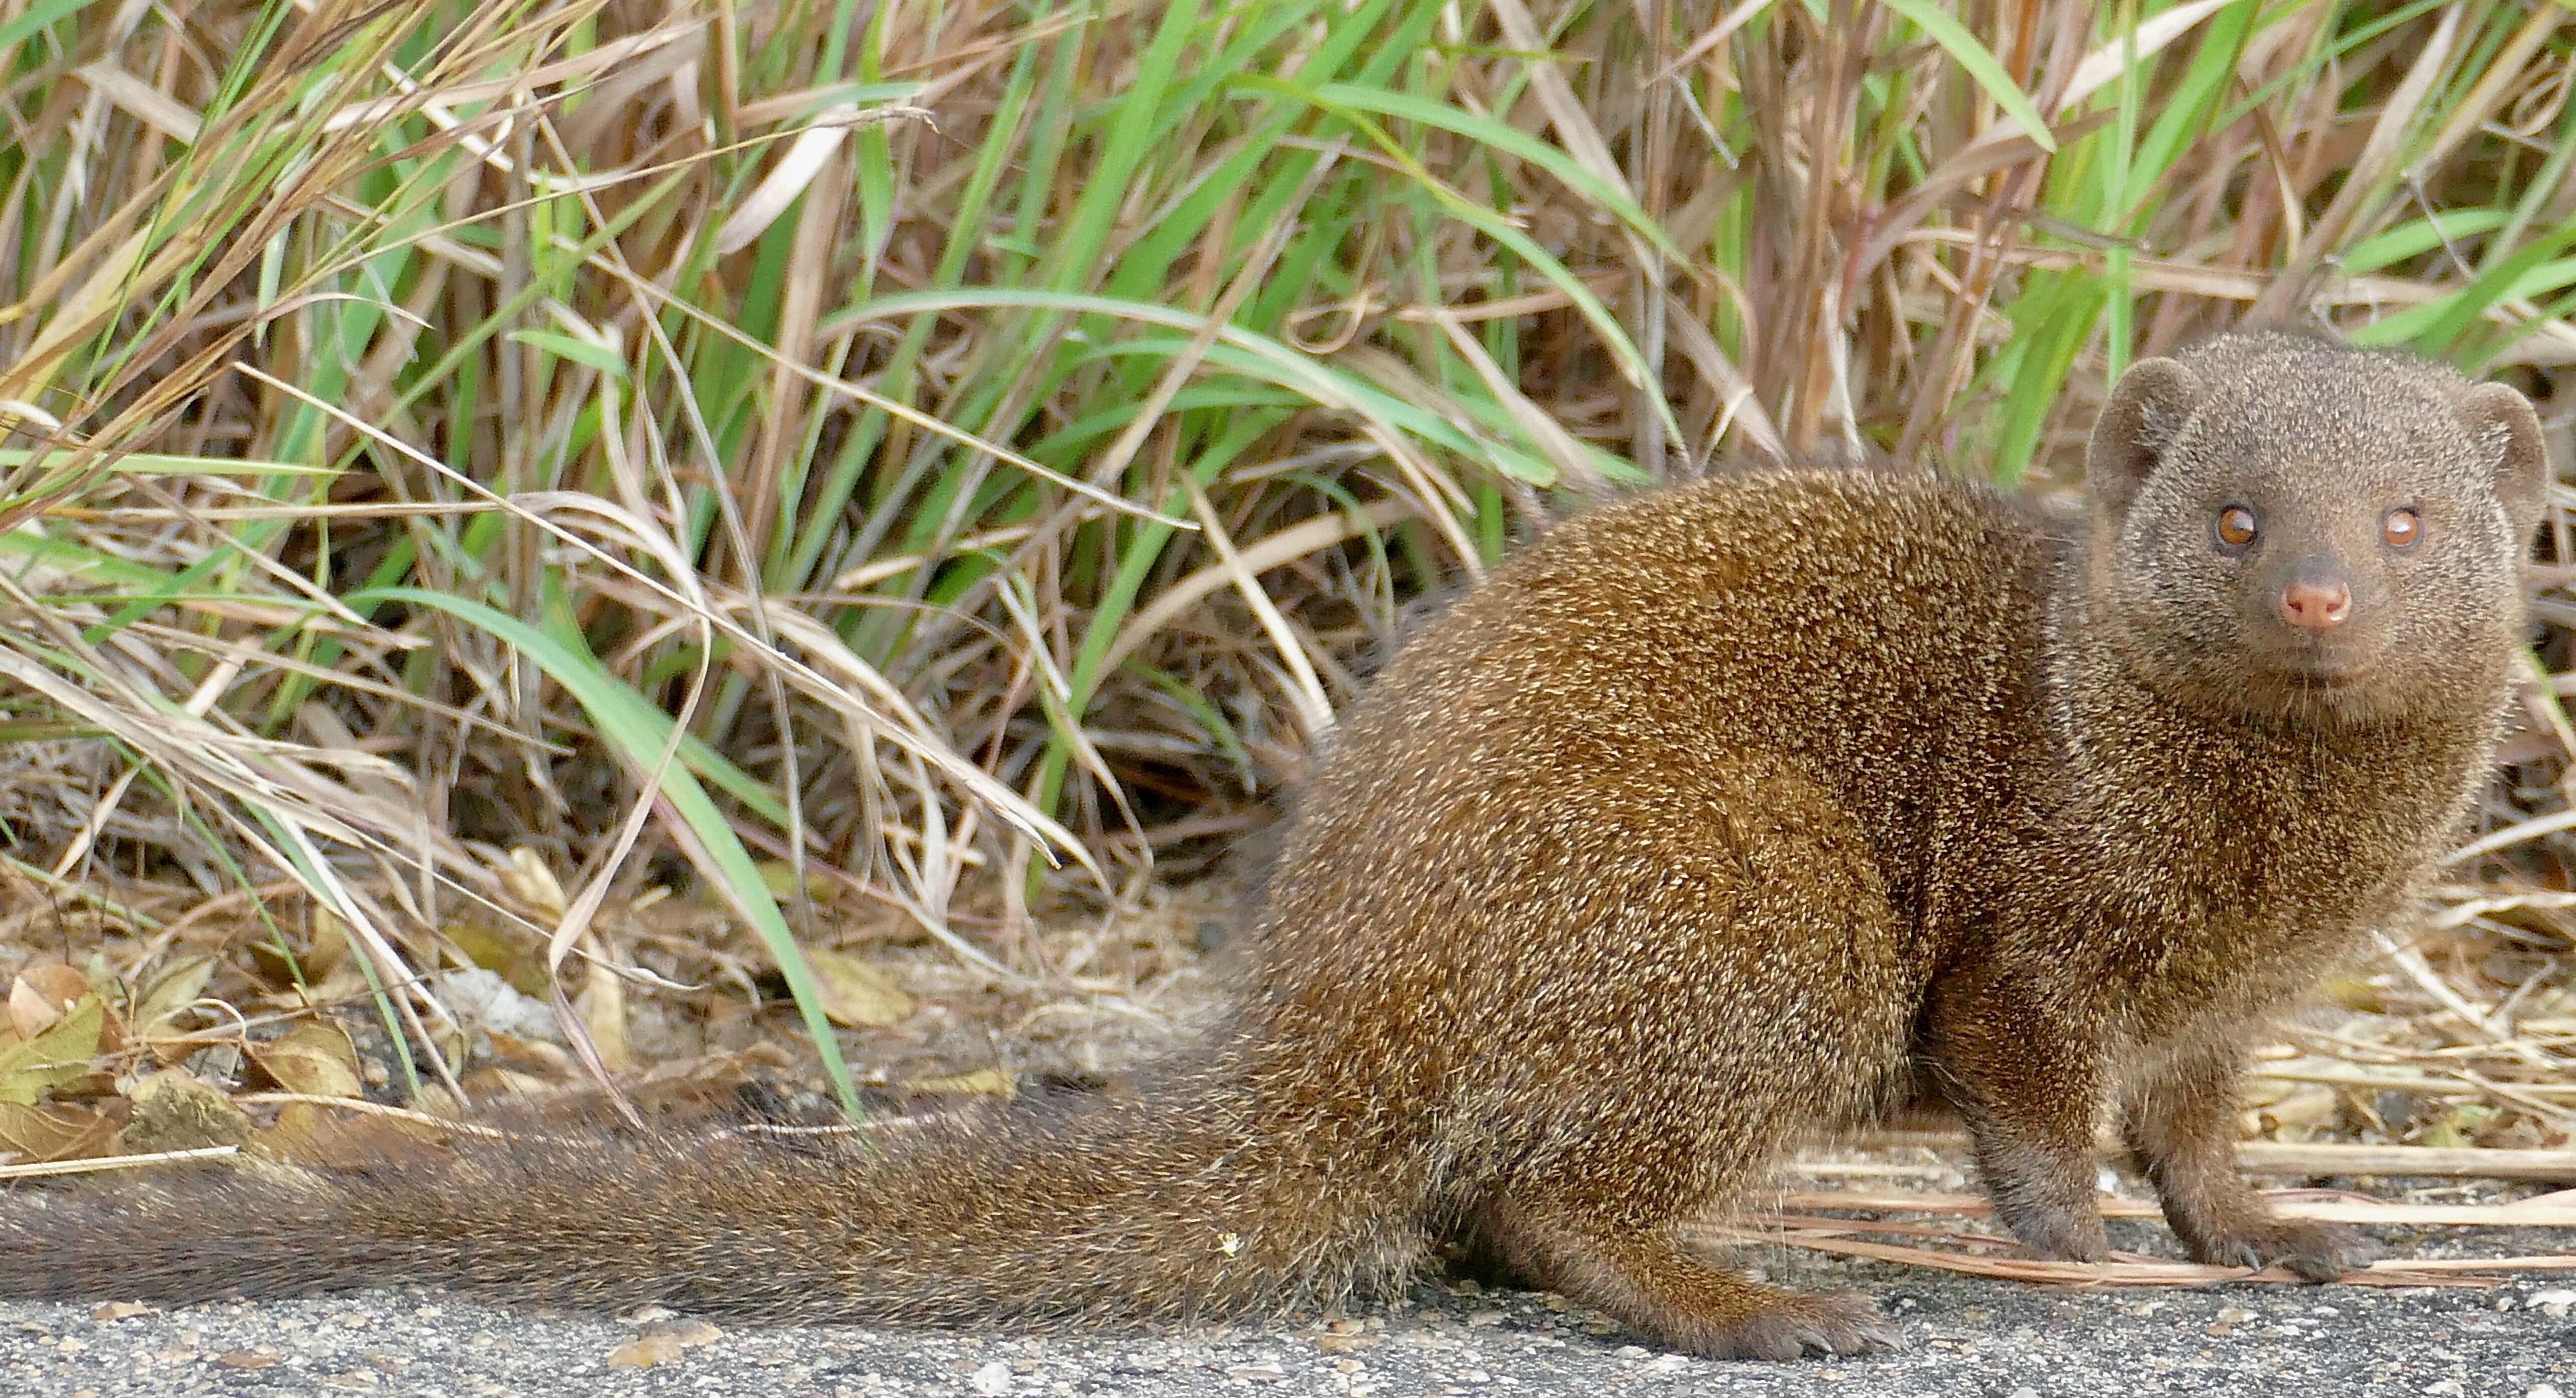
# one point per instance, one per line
(2316, 605)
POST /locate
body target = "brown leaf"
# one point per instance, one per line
(112, 1036)
(247, 1358)
(645, 1353)
(55, 1058)
(532, 883)
(31, 1134)
(856, 994)
(602, 1003)
(327, 949)
(987, 1082)
(309, 1134)
(313, 1057)
(504, 1082)
(40, 995)
(119, 1310)
(500, 953)
(691, 1333)
(29, 1015)
(302, 1133)
(158, 1005)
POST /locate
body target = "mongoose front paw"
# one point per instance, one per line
(1831, 1323)
(2066, 1234)
(2317, 1251)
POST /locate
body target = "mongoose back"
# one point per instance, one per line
(1715, 814)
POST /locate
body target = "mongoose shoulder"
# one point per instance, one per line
(1713, 815)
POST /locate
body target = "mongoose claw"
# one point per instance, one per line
(2318, 1252)
(1829, 1323)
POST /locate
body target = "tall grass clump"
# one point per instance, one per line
(964, 450)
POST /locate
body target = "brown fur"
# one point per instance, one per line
(1715, 814)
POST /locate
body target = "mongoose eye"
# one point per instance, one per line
(2402, 528)
(2237, 527)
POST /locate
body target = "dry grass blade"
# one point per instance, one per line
(98, 1164)
(2141, 1272)
(2345, 1158)
(2324, 1205)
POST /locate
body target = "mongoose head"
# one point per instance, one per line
(2288, 530)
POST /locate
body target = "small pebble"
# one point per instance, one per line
(993, 1380)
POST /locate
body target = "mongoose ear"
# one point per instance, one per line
(2145, 411)
(2508, 431)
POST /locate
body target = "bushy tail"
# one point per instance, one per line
(1183, 1207)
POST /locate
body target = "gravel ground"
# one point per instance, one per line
(1965, 1336)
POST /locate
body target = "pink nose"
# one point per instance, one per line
(2316, 606)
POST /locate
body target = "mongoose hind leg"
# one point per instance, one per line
(1744, 978)
(1646, 1277)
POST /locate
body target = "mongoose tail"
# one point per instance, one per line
(1115, 1210)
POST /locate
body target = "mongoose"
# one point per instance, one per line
(1714, 814)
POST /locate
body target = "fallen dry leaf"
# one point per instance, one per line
(55, 1058)
(302, 1133)
(532, 883)
(602, 1003)
(497, 1082)
(644, 1353)
(327, 948)
(307, 1133)
(247, 1358)
(29, 1015)
(42, 994)
(500, 953)
(158, 1005)
(119, 1310)
(857, 995)
(313, 1057)
(987, 1082)
(32, 1134)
